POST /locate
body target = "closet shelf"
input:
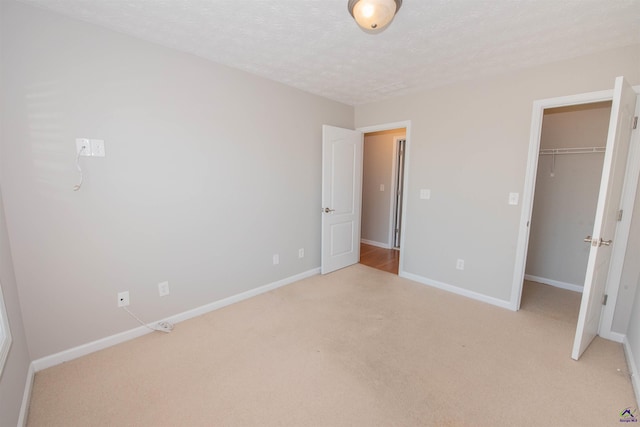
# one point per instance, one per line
(579, 150)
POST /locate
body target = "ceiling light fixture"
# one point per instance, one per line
(373, 15)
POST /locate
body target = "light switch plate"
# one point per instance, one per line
(425, 194)
(381, 187)
(514, 198)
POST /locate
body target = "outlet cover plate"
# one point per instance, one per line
(92, 147)
(123, 299)
(97, 147)
(83, 143)
(163, 289)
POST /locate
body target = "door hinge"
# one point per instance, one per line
(620, 212)
(604, 299)
(635, 122)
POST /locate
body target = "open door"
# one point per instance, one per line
(341, 197)
(613, 173)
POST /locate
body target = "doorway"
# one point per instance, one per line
(571, 156)
(342, 166)
(382, 198)
(605, 249)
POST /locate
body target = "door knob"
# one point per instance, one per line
(604, 242)
(327, 210)
(599, 242)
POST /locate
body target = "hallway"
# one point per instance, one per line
(380, 258)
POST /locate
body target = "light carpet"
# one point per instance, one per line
(358, 347)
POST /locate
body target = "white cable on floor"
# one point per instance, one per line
(162, 326)
(77, 187)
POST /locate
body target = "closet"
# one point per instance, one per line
(572, 149)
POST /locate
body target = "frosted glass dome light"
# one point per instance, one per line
(373, 15)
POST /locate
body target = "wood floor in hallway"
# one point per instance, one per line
(380, 258)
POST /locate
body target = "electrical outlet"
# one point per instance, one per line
(276, 259)
(460, 264)
(123, 299)
(90, 147)
(83, 147)
(301, 253)
(163, 289)
(97, 147)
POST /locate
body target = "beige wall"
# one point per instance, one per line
(468, 144)
(633, 332)
(378, 169)
(565, 204)
(630, 277)
(14, 374)
(209, 171)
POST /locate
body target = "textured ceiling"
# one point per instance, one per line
(315, 45)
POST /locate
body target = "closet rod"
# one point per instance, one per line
(580, 150)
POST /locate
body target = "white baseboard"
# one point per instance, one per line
(633, 369)
(456, 290)
(26, 396)
(556, 283)
(378, 244)
(241, 296)
(612, 336)
(82, 350)
(88, 348)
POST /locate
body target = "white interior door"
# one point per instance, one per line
(341, 197)
(613, 173)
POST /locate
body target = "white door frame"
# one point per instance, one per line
(628, 199)
(394, 185)
(390, 126)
